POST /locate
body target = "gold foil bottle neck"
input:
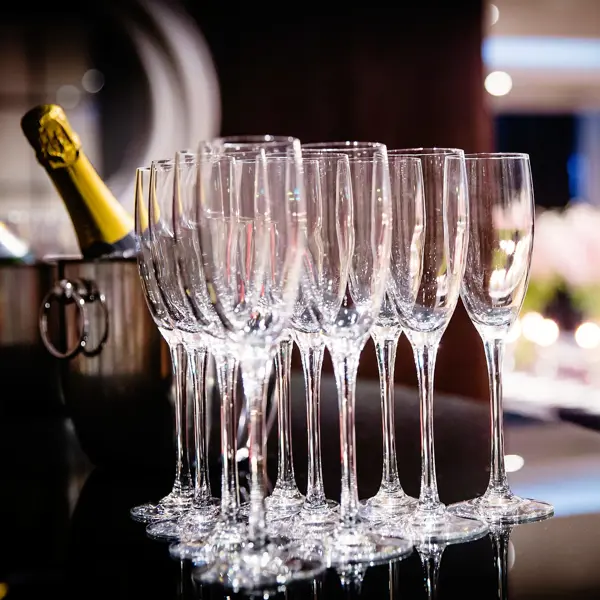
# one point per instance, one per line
(48, 130)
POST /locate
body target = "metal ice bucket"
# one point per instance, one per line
(114, 367)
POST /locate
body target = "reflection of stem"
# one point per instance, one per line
(185, 583)
(500, 537)
(351, 578)
(394, 582)
(431, 558)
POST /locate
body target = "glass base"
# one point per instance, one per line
(505, 510)
(284, 502)
(385, 505)
(268, 568)
(359, 544)
(223, 538)
(314, 521)
(167, 531)
(171, 530)
(439, 525)
(199, 520)
(272, 517)
(169, 507)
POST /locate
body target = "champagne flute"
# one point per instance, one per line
(425, 320)
(180, 498)
(285, 498)
(251, 234)
(164, 183)
(322, 289)
(406, 269)
(499, 257)
(229, 531)
(359, 249)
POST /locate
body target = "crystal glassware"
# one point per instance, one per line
(425, 318)
(357, 249)
(164, 182)
(321, 293)
(228, 533)
(406, 263)
(499, 256)
(285, 498)
(180, 497)
(250, 223)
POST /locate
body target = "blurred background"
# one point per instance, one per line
(140, 79)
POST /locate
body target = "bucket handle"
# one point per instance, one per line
(82, 293)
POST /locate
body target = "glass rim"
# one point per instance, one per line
(347, 145)
(252, 140)
(497, 156)
(162, 162)
(424, 151)
(411, 157)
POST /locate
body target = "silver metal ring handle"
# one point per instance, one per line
(95, 295)
(64, 290)
(83, 293)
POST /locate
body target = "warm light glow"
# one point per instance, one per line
(494, 14)
(498, 83)
(530, 323)
(587, 336)
(508, 246)
(513, 463)
(548, 333)
(514, 333)
(538, 330)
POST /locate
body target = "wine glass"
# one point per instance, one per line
(165, 255)
(229, 531)
(180, 498)
(425, 319)
(495, 282)
(322, 289)
(406, 269)
(358, 248)
(285, 498)
(251, 233)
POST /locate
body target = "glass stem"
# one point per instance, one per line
(255, 379)
(431, 561)
(198, 359)
(498, 485)
(425, 355)
(183, 474)
(227, 369)
(386, 343)
(500, 545)
(312, 350)
(285, 465)
(345, 367)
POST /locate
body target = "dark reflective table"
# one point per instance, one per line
(66, 531)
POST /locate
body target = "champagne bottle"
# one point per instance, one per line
(102, 225)
(13, 249)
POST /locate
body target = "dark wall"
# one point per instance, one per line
(410, 76)
(550, 141)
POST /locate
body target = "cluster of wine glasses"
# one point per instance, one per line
(250, 244)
